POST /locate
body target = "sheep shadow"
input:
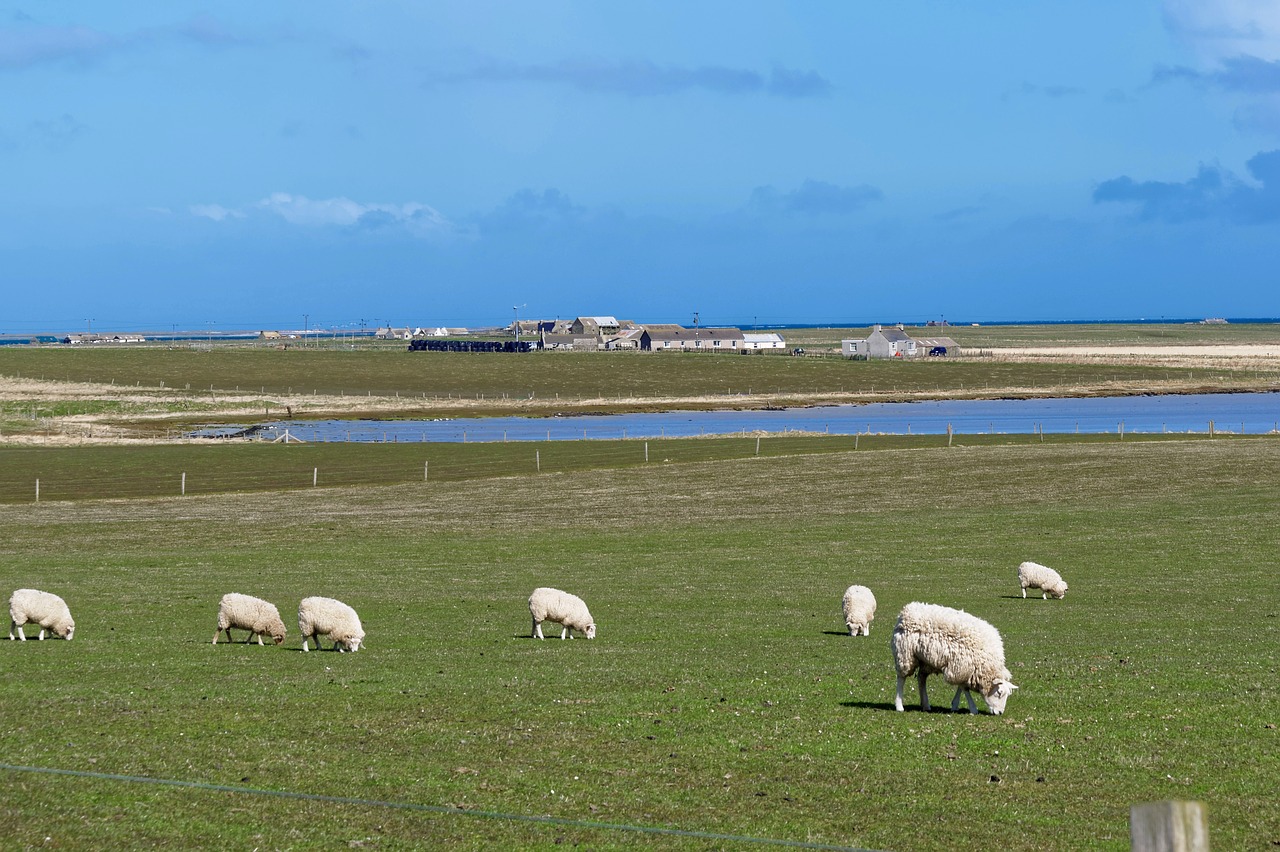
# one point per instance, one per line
(870, 705)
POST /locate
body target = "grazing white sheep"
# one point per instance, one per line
(964, 649)
(1033, 575)
(328, 617)
(859, 607)
(245, 612)
(569, 611)
(42, 608)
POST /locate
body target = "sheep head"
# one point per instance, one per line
(998, 696)
(591, 630)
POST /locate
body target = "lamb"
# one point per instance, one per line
(325, 616)
(859, 607)
(1033, 575)
(245, 612)
(569, 611)
(42, 608)
(964, 649)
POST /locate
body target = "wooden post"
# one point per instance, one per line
(757, 445)
(950, 434)
(1169, 826)
(315, 476)
(1210, 428)
(425, 470)
(184, 483)
(537, 459)
(37, 490)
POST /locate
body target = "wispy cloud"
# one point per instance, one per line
(1245, 74)
(27, 43)
(1213, 192)
(33, 44)
(1054, 92)
(642, 78)
(813, 198)
(340, 212)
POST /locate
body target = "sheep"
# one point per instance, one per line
(859, 607)
(325, 616)
(964, 649)
(569, 611)
(1033, 575)
(42, 608)
(245, 612)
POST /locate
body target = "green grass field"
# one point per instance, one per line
(721, 695)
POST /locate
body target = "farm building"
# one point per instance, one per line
(599, 326)
(625, 339)
(568, 342)
(765, 340)
(667, 338)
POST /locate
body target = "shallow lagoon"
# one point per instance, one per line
(1251, 413)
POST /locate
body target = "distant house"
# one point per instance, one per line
(891, 342)
(270, 335)
(387, 333)
(99, 339)
(894, 342)
(668, 338)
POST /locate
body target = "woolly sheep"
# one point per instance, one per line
(859, 607)
(245, 612)
(328, 617)
(42, 608)
(964, 649)
(569, 611)
(1033, 575)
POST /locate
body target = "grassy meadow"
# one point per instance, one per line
(721, 695)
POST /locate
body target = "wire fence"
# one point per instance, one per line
(41, 474)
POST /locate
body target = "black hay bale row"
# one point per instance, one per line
(470, 346)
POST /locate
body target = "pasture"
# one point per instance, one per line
(722, 696)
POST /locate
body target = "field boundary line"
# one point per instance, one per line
(433, 809)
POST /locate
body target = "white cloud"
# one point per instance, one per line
(216, 212)
(1220, 29)
(341, 212)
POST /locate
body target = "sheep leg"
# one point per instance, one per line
(41, 636)
(537, 629)
(22, 632)
(304, 643)
(1044, 596)
(973, 708)
(259, 635)
(564, 631)
(897, 699)
(924, 693)
(866, 629)
(955, 702)
(1024, 592)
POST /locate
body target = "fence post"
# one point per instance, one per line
(37, 490)
(1210, 428)
(1170, 826)
(950, 434)
(537, 459)
(184, 483)
(757, 445)
(424, 470)
(646, 450)
(315, 476)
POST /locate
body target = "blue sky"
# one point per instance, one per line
(240, 165)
